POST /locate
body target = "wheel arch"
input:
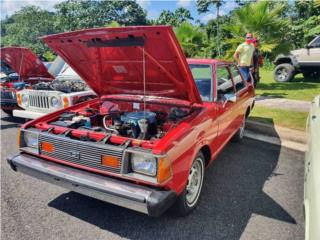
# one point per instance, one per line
(205, 149)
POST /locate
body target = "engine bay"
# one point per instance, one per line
(125, 119)
(62, 85)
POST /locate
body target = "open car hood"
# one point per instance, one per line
(24, 62)
(112, 61)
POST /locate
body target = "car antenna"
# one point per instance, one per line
(21, 61)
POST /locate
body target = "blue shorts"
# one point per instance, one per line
(244, 72)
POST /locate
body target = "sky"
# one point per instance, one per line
(153, 7)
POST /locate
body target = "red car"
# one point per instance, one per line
(159, 121)
(30, 70)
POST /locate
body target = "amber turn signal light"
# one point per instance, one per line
(164, 169)
(19, 99)
(65, 102)
(110, 161)
(48, 147)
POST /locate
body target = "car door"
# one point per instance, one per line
(203, 76)
(310, 56)
(242, 94)
(226, 108)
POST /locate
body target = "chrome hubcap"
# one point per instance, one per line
(282, 74)
(195, 179)
(242, 127)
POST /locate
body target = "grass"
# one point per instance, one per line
(299, 89)
(280, 117)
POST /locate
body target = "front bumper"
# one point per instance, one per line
(27, 114)
(139, 198)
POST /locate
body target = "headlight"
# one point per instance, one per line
(55, 102)
(24, 100)
(143, 163)
(31, 139)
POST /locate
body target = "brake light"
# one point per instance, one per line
(110, 161)
(48, 147)
(164, 169)
(19, 136)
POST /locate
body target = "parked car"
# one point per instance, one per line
(27, 69)
(305, 60)
(159, 121)
(44, 97)
(312, 169)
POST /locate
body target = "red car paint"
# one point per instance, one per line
(24, 62)
(207, 129)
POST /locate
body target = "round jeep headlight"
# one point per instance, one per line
(24, 100)
(55, 102)
(31, 139)
(144, 163)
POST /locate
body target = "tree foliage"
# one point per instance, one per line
(26, 26)
(179, 16)
(74, 15)
(263, 22)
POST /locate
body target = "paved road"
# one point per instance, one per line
(252, 191)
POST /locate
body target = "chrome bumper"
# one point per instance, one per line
(27, 114)
(139, 198)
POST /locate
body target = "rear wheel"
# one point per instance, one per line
(188, 200)
(283, 72)
(240, 133)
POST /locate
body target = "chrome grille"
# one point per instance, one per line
(86, 154)
(39, 101)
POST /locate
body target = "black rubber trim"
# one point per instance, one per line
(159, 201)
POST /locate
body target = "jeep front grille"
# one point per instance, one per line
(39, 101)
(82, 153)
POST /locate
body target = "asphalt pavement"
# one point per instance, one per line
(253, 190)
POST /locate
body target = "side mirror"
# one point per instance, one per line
(229, 97)
(308, 46)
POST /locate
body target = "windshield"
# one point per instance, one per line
(202, 74)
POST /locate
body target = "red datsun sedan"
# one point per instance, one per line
(159, 121)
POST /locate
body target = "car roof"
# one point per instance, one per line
(206, 61)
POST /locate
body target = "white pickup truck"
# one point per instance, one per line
(65, 90)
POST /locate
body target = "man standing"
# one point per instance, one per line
(243, 56)
(257, 62)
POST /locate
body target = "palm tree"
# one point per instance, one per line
(263, 22)
(193, 40)
(203, 6)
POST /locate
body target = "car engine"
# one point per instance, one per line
(109, 118)
(65, 86)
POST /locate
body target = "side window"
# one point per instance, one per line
(202, 74)
(238, 82)
(316, 43)
(224, 83)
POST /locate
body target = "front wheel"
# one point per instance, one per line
(188, 200)
(283, 72)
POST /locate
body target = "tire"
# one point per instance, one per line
(187, 201)
(284, 72)
(8, 112)
(238, 136)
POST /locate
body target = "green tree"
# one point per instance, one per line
(203, 6)
(264, 22)
(25, 27)
(73, 14)
(175, 18)
(193, 40)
